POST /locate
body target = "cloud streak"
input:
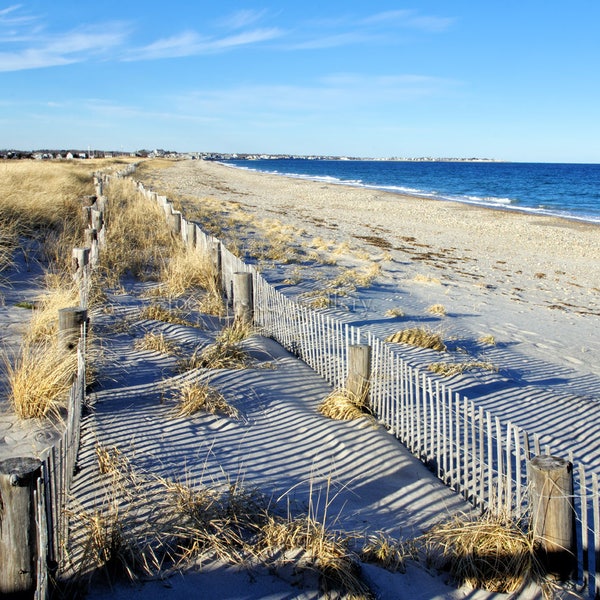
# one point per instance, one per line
(58, 50)
(330, 95)
(190, 43)
(382, 27)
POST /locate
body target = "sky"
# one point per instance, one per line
(513, 80)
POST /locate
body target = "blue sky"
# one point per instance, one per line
(514, 80)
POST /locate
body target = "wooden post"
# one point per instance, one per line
(91, 241)
(190, 234)
(81, 258)
(243, 297)
(97, 219)
(86, 213)
(553, 514)
(101, 202)
(215, 255)
(70, 321)
(176, 222)
(90, 236)
(18, 533)
(359, 371)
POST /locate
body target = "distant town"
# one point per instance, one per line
(72, 154)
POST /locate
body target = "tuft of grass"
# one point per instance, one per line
(321, 550)
(223, 520)
(447, 369)
(490, 553)
(317, 299)
(156, 312)
(60, 293)
(417, 336)
(111, 460)
(427, 279)
(395, 313)
(343, 405)
(437, 309)
(389, 553)
(193, 397)
(224, 353)
(39, 379)
(489, 340)
(156, 342)
(187, 270)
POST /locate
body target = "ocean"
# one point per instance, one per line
(565, 190)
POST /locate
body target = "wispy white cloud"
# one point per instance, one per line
(190, 43)
(334, 40)
(7, 16)
(242, 18)
(26, 42)
(410, 19)
(63, 49)
(379, 27)
(329, 95)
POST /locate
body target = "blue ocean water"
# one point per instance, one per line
(565, 190)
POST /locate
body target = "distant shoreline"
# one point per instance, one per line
(440, 197)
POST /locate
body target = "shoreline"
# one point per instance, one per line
(481, 202)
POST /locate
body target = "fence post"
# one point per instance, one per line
(81, 258)
(70, 321)
(359, 371)
(18, 533)
(91, 241)
(243, 297)
(176, 222)
(190, 234)
(553, 514)
(97, 219)
(215, 255)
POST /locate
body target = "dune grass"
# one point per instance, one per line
(189, 272)
(344, 405)
(146, 525)
(39, 378)
(391, 554)
(60, 292)
(448, 369)
(418, 336)
(437, 309)
(138, 239)
(156, 342)
(42, 200)
(157, 312)
(193, 397)
(490, 552)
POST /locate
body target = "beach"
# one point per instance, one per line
(529, 283)
(516, 291)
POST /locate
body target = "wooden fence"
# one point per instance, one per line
(59, 461)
